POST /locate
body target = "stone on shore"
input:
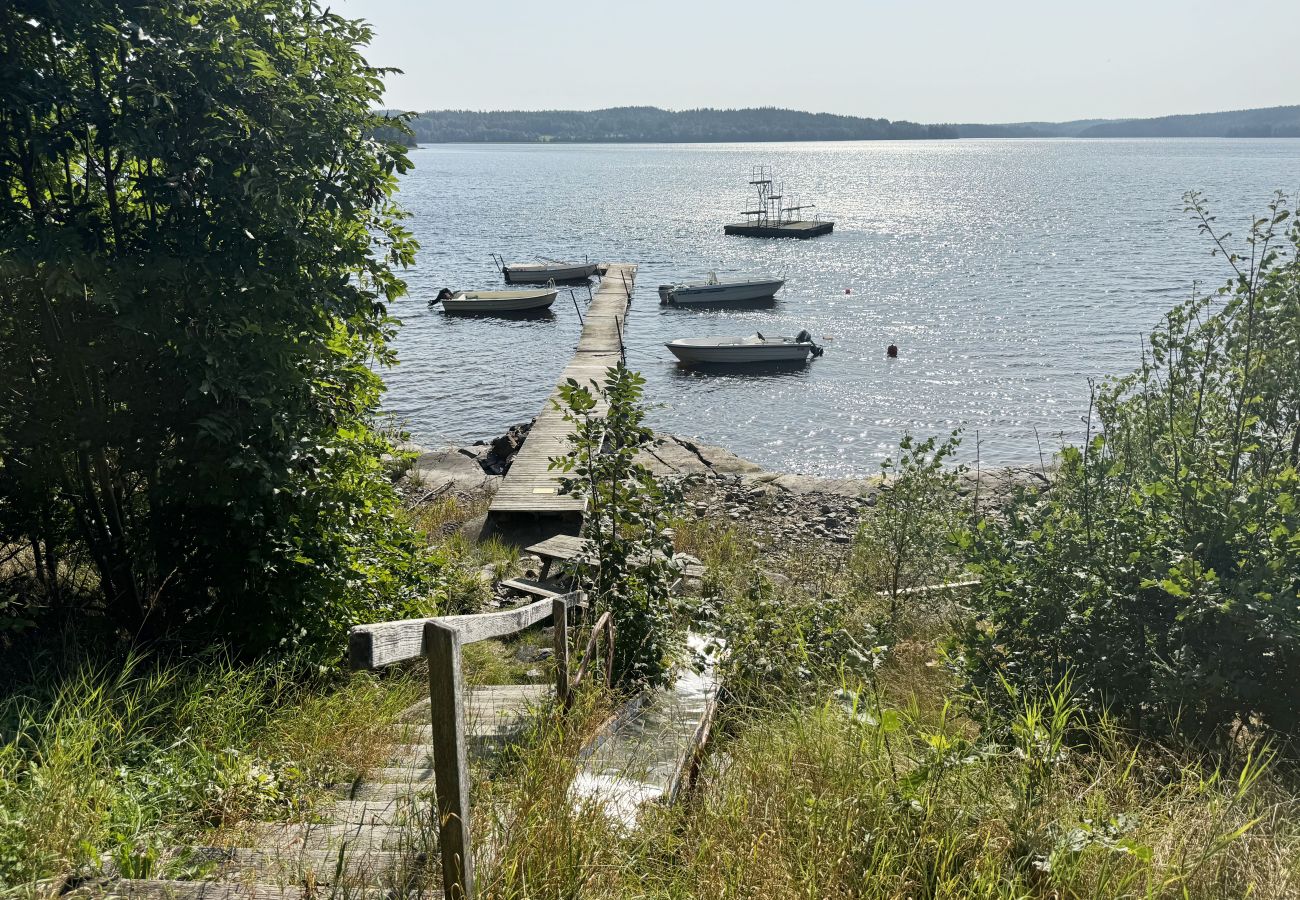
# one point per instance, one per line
(450, 471)
(838, 487)
(666, 457)
(721, 461)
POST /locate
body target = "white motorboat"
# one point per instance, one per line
(715, 291)
(757, 348)
(499, 301)
(544, 270)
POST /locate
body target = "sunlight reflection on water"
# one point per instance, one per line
(1008, 273)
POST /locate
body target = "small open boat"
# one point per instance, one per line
(544, 270)
(757, 348)
(498, 302)
(715, 291)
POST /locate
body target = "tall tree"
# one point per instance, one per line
(197, 245)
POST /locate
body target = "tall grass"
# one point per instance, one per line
(460, 586)
(847, 798)
(120, 762)
(844, 769)
(841, 800)
(535, 837)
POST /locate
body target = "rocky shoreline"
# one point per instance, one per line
(782, 509)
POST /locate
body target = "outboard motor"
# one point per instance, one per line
(803, 337)
(665, 291)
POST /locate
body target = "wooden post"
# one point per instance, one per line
(450, 766)
(560, 619)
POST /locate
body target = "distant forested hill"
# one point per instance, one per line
(1273, 121)
(1276, 121)
(649, 124)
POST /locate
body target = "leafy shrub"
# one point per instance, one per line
(197, 243)
(773, 645)
(1163, 569)
(906, 538)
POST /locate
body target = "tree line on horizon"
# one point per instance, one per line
(636, 124)
(649, 124)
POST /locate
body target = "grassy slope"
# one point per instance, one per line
(853, 784)
(125, 760)
(107, 762)
(840, 782)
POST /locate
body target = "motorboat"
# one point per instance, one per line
(757, 348)
(498, 302)
(544, 270)
(715, 291)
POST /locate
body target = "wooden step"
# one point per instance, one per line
(390, 811)
(419, 776)
(528, 586)
(412, 755)
(384, 790)
(416, 712)
(333, 836)
(297, 865)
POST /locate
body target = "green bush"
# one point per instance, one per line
(197, 243)
(905, 540)
(1162, 570)
(774, 645)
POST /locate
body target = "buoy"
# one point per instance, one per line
(848, 290)
(892, 351)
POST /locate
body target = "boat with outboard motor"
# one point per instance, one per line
(499, 302)
(544, 270)
(713, 291)
(757, 348)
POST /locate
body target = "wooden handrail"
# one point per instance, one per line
(386, 643)
(440, 640)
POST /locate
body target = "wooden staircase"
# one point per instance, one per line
(377, 839)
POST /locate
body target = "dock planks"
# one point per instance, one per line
(530, 487)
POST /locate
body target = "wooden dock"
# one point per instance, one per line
(530, 488)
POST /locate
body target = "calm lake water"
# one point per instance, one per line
(1007, 272)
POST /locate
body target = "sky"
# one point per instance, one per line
(933, 61)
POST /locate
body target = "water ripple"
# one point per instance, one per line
(1008, 272)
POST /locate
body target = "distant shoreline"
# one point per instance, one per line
(651, 125)
(668, 143)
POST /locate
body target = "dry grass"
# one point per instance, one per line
(127, 760)
(532, 838)
(880, 784)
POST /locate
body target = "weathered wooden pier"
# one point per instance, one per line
(530, 489)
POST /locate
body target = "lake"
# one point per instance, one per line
(1008, 272)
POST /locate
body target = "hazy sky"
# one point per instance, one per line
(936, 61)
